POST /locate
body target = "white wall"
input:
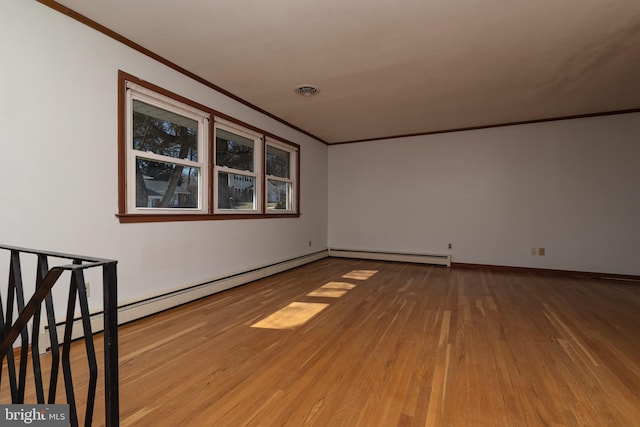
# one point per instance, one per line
(572, 187)
(58, 130)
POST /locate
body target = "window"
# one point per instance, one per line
(237, 182)
(281, 162)
(179, 160)
(166, 152)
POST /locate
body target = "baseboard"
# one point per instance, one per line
(514, 269)
(435, 259)
(134, 310)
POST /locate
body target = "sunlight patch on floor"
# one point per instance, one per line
(360, 274)
(332, 290)
(294, 315)
(338, 285)
(328, 293)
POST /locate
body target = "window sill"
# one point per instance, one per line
(133, 218)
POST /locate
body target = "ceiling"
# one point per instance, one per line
(387, 68)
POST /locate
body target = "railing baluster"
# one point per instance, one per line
(3, 329)
(110, 303)
(17, 294)
(66, 352)
(53, 342)
(41, 271)
(11, 361)
(90, 348)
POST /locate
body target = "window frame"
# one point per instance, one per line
(135, 92)
(291, 180)
(127, 211)
(256, 173)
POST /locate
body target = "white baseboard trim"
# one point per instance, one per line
(143, 307)
(436, 259)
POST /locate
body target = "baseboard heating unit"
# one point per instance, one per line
(392, 256)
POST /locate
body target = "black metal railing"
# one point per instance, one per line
(20, 320)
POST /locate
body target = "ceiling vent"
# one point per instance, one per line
(306, 90)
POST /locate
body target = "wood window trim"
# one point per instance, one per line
(126, 217)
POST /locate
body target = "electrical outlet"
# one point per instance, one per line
(541, 251)
(450, 246)
(534, 251)
(87, 287)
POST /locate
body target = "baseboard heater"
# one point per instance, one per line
(133, 310)
(392, 256)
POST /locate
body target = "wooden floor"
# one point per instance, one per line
(408, 345)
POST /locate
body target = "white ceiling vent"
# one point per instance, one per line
(306, 90)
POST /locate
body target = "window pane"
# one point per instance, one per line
(166, 185)
(236, 191)
(278, 162)
(278, 195)
(164, 132)
(234, 151)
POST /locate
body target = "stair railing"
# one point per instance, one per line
(17, 317)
